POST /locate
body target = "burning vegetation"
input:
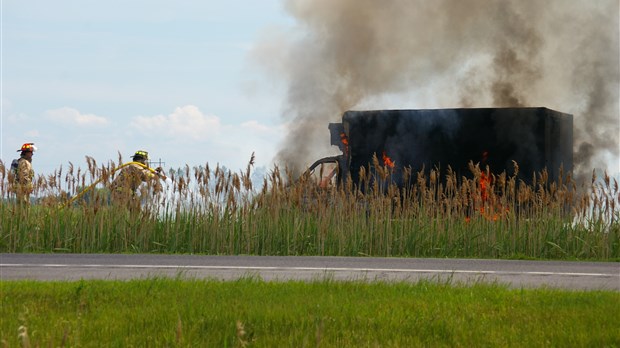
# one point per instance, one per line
(214, 211)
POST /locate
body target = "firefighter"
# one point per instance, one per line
(124, 187)
(23, 174)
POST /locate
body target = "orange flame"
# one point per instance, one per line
(485, 182)
(345, 142)
(489, 209)
(388, 161)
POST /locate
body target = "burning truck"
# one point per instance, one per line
(536, 139)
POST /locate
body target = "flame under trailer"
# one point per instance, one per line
(536, 138)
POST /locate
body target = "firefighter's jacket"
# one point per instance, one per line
(131, 177)
(22, 181)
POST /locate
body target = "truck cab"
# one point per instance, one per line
(325, 172)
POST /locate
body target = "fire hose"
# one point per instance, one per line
(88, 188)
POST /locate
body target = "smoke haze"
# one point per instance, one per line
(367, 54)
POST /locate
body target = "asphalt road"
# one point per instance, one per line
(516, 274)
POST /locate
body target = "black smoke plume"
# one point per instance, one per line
(354, 54)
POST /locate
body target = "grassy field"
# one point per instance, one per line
(219, 212)
(253, 313)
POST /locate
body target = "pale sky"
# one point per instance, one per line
(95, 78)
(209, 81)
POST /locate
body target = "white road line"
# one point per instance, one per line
(324, 269)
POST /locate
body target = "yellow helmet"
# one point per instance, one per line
(140, 154)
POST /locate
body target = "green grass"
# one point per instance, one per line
(282, 231)
(250, 312)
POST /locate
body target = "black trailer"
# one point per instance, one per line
(536, 139)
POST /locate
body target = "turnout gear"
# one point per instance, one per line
(23, 174)
(125, 186)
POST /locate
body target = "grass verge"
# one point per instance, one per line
(254, 313)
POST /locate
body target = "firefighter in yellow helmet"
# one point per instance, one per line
(125, 185)
(23, 174)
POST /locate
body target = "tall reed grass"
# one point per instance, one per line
(215, 211)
